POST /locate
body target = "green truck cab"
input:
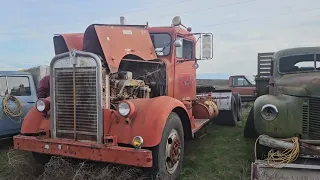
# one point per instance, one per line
(288, 85)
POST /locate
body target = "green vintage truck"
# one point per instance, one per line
(289, 89)
(288, 105)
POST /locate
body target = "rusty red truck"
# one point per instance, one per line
(244, 85)
(124, 94)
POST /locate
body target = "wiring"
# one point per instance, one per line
(277, 157)
(13, 114)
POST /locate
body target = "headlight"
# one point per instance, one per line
(124, 109)
(269, 112)
(137, 142)
(42, 105)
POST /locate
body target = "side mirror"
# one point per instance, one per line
(176, 21)
(178, 43)
(206, 46)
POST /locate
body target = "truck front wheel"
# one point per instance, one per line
(168, 155)
(249, 129)
(41, 158)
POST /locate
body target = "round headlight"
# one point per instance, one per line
(41, 105)
(124, 109)
(269, 112)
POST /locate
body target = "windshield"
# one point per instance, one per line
(299, 63)
(161, 43)
(251, 79)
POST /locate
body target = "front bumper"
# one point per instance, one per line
(85, 150)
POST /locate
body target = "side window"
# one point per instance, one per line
(19, 86)
(3, 86)
(186, 50)
(240, 81)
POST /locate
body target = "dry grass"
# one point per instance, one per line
(222, 154)
(20, 166)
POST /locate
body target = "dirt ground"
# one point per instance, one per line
(222, 154)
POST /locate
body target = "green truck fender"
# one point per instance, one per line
(278, 116)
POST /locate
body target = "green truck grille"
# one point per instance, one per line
(311, 118)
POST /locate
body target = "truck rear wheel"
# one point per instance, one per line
(239, 105)
(249, 129)
(228, 117)
(168, 155)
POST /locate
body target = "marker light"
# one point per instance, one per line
(137, 141)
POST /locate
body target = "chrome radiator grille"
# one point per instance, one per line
(76, 118)
(311, 118)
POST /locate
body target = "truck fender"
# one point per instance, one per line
(149, 120)
(288, 122)
(35, 122)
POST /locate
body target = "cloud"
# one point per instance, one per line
(6, 67)
(241, 28)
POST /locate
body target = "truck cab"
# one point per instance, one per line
(290, 108)
(17, 96)
(244, 85)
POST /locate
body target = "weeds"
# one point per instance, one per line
(222, 154)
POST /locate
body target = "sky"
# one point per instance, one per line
(241, 28)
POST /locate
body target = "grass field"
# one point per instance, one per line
(222, 154)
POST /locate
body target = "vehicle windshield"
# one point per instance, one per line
(161, 43)
(251, 79)
(299, 63)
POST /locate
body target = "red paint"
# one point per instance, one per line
(119, 41)
(85, 150)
(148, 120)
(32, 122)
(74, 40)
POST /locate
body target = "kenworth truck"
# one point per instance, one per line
(288, 106)
(123, 94)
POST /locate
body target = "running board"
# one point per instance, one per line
(199, 123)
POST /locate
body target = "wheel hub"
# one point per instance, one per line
(173, 151)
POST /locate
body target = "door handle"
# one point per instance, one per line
(31, 102)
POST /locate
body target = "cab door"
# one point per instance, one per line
(185, 74)
(22, 91)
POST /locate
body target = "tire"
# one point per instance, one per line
(239, 105)
(249, 129)
(165, 167)
(228, 117)
(42, 159)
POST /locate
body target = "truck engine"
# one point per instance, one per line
(123, 86)
(132, 81)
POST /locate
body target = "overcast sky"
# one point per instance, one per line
(241, 28)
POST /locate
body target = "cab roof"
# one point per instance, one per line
(296, 51)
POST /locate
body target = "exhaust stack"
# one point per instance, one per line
(122, 20)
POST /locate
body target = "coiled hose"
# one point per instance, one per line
(276, 158)
(16, 114)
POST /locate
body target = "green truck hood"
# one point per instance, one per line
(303, 84)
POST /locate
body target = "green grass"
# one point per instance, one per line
(222, 153)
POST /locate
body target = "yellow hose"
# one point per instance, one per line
(277, 157)
(12, 113)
